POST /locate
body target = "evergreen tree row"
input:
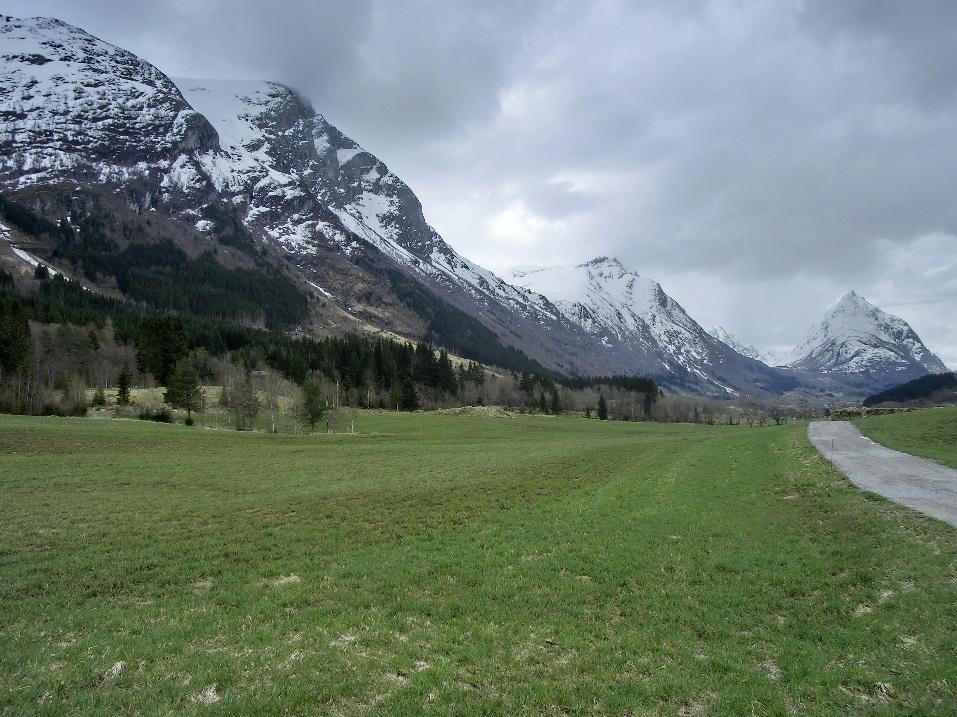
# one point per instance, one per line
(163, 340)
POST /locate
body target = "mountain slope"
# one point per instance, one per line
(88, 128)
(729, 339)
(859, 343)
(633, 318)
(310, 187)
(934, 388)
(71, 102)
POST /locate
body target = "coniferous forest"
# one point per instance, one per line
(61, 343)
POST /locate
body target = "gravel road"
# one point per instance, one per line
(915, 482)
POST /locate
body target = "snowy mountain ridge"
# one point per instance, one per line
(78, 112)
(83, 120)
(856, 337)
(726, 337)
(622, 308)
(55, 78)
(311, 155)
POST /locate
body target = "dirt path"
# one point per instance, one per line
(915, 482)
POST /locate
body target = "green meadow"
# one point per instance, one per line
(931, 433)
(446, 565)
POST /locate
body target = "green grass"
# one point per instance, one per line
(448, 565)
(931, 433)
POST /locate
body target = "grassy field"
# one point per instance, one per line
(449, 565)
(931, 433)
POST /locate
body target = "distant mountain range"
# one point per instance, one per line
(89, 129)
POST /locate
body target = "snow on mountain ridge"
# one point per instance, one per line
(857, 337)
(621, 307)
(55, 77)
(726, 337)
(353, 184)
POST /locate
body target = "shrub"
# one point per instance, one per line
(162, 414)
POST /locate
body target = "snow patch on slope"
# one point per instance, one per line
(726, 337)
(55, 78)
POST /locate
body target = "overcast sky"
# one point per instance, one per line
(759, 159)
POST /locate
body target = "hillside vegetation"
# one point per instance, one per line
(931, 433)
(458, 565)
(926, 390)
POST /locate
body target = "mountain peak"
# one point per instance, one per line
(852, 298)
(729, 339)
(58, 78)
(860, 339)
(605, 261)
(633, 316)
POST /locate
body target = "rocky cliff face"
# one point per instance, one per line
(72, 103)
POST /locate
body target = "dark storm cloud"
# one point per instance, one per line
(786, 151)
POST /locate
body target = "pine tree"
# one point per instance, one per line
(447, 378)
(183, 388)
(99, 397)
(556, 403)
(542, 403)
(588, 412)
(409, 398)
(602, 408)
(313, 404)
(160, 343)
(15, 339)
(423, 365)
(123, 387)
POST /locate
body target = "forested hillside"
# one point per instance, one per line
(933, 388)
(59, 341)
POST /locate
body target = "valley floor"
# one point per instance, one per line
(459, 565)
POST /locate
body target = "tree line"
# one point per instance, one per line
(59, 341)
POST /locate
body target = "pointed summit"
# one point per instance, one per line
(633, 317)
(852, 298)
(860, 341)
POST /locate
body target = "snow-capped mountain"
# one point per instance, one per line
(726, 337)
(632, 316)
(81, 118)
(859, 342)
(274, 145)
(85, 124)
(70, 102)
(307, 186)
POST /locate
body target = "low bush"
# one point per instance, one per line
(161, 414)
